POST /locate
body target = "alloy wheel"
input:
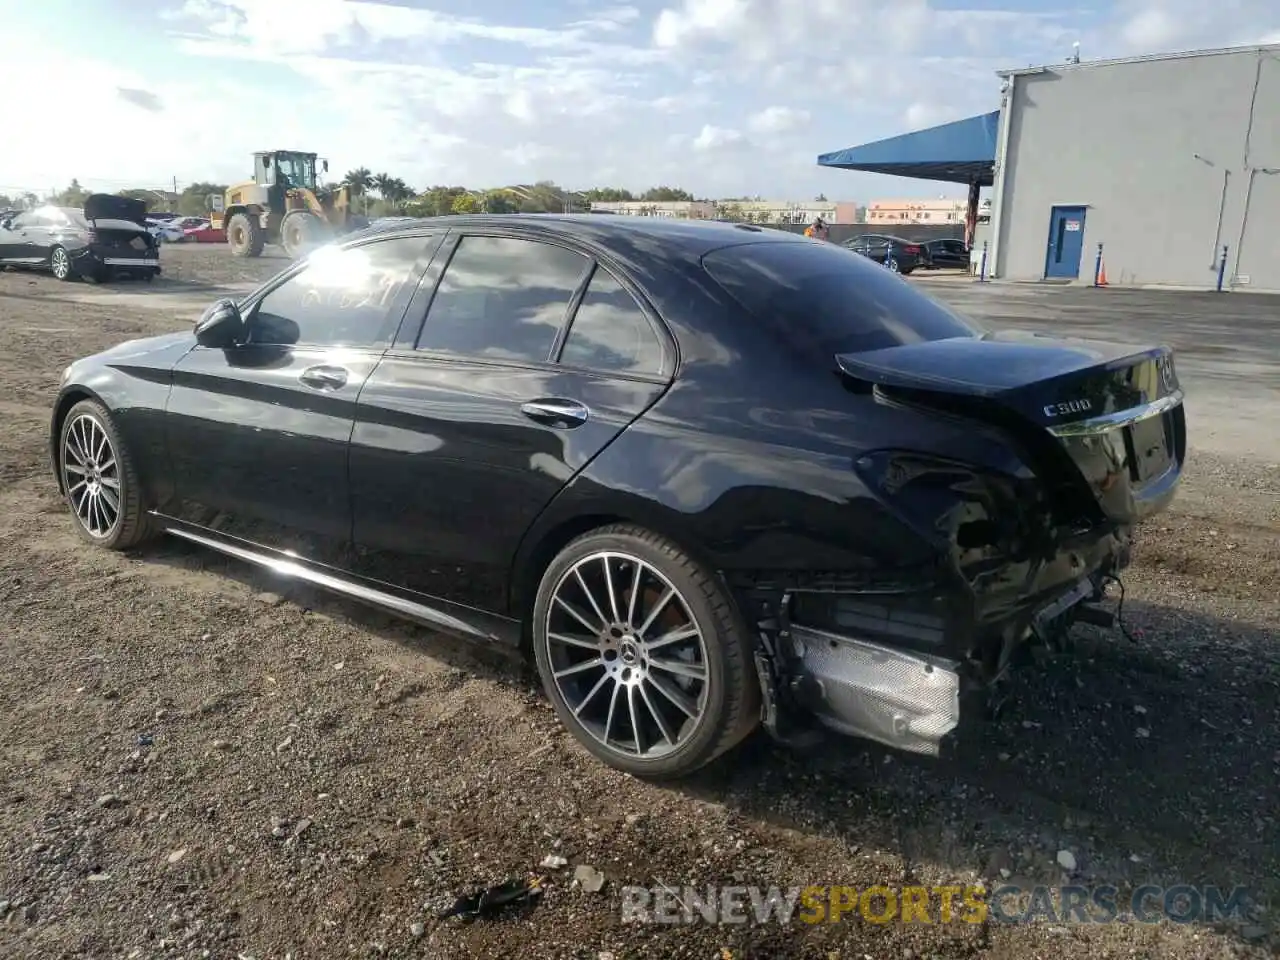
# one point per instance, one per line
(892, 264)
(91, 476)
(627, 656)
(60, 263)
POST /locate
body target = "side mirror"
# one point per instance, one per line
(220, 326)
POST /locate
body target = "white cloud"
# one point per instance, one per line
(773, 120)
(1151, 29)
(925, 113)
(629, 93)
(711, 139)
(1154, 26)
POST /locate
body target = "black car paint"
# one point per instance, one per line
(946, 253)
(838, 481)
(908, 254)
(96, 245)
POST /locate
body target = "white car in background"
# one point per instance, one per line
(176, 229)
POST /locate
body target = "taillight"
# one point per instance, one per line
(911, 249)
(91, 236)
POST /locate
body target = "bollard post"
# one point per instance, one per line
(982, 265)
(1222, 267)
(1097, 267)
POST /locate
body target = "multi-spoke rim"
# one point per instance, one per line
(91, 476)
(626, 655)
(61, 264)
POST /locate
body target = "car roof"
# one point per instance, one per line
(691, 238)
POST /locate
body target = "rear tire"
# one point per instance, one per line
(679, 668)
(892, 264)
(245, 236)
(99, 480)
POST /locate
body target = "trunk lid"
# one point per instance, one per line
(106, 206)
(1101, 423)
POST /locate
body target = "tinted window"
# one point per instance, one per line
(610, 331)
(502, 298)
(827, 300)
(341, 298)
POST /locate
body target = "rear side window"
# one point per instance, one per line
(827, 300)
(611, 333)
(502, 298)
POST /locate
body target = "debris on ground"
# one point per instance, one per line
(488, 901)
(588, 878)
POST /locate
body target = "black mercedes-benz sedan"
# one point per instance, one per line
(706, 476)
(109, 235)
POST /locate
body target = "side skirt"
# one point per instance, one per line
(464, 622)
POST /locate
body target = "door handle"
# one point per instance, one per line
(556, 412)
(324, 378)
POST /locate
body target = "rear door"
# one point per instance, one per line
(258, 433)
(531, 359)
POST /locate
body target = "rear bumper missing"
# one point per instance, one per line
(863, 686)
(906, 700)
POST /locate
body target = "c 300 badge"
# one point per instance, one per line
(1067, 407)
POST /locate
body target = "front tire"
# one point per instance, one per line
(60, 264)
(643, 654)
(99, 480)
(245, 236)
(299, 232)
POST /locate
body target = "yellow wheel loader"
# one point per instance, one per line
(283, 204)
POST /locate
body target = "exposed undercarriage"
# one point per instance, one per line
(861, 665)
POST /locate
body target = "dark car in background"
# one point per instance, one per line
(946, 253)
(900, 256)
(108, 236)
(706, 476)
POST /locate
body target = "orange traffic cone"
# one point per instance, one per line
(1102, 273)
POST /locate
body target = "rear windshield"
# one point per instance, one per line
(828, 300)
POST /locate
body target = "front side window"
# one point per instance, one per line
(502, 298)
(341, 298)
(611, 333)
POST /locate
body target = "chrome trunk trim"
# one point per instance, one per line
(1122, 418)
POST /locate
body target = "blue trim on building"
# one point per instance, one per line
(963, 151)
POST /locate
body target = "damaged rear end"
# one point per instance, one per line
(1098, 437)
(998, 477)
(119, 236)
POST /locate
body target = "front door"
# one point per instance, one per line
(24, 239)
(1066, 243)
(464, 434)
(258, 433)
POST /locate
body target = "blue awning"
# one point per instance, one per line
(963, 151)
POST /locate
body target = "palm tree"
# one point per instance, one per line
(400, 192)
(359, 180)
(384, 183)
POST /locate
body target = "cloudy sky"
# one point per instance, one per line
(721, 97)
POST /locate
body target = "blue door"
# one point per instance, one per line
(1066, 243)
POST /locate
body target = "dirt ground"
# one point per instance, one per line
(197, 760)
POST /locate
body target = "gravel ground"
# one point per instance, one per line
(197, 760)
